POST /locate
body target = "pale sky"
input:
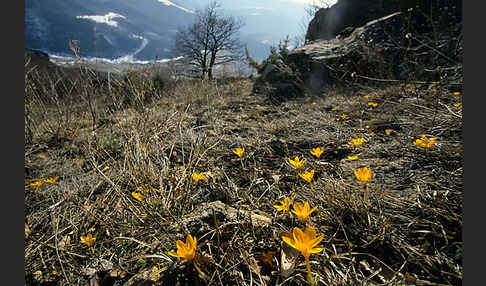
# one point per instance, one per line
(315, 2)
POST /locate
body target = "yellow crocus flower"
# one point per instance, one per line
(198, 176)
(51, 180)
(317, 152)
(305, 242)
(285, 205)
(37, 183)
(308, 176)
(297, 163)
(374, 104)
(88, 239)
(137, 196)
(185, 250)
(303, 211)
(363, 175)
(239, 151)
(355, 142)
(425, 142)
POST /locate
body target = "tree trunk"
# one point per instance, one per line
(211, 64)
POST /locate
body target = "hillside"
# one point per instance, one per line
(105, 29)
(114, 159)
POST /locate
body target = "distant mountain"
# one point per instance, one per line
(108, 29)
(144, 29)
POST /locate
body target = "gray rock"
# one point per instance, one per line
(202, 220)
(279, 82)
(329, 22)
(321, 63)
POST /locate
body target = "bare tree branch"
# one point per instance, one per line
(210, 41)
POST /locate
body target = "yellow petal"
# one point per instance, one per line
(298, 235)
(316, 240)
(310, 232)
(180, 244)
(192, 241)
(173, 254)
(316, 250)
(297, 208)
(306, 207)
(289, 241)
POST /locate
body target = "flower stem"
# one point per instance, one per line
(365, 198)
(309, 273)
(241, 160)
(199, 269)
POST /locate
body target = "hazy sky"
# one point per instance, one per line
(316, 2)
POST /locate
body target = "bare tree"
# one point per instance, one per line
(212, 40)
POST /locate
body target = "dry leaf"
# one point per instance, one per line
(276, 178)
(266, 258)
(288, 257)
(254, 267)
(105, 265)
(117, 273)
(203, 260)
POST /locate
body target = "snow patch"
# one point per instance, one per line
(106, 19)
(69, 60)
(130, 57)
(168, 3)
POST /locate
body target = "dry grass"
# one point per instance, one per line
(409, 233)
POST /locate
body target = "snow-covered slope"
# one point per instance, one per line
(106, 19)
(168, 3)
(111, 29)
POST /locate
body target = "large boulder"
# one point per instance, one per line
(378, 50)
(364, 50)
(400, 46)
(278, 82)
(328, 22)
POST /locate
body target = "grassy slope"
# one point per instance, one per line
(410, 232)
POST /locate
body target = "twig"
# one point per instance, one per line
(452, 112)
(135, 240)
